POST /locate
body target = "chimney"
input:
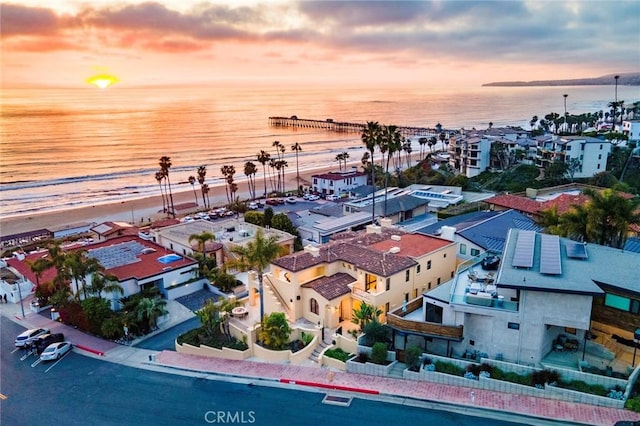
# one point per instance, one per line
(373, 229)
(314, 251)
(448, 233)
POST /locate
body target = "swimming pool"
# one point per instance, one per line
(169, 258)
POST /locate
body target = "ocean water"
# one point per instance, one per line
(65, 148)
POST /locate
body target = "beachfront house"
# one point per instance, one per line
(337, 182)
(227, 235)
(383, 267)
(591, 153)
(549, 294)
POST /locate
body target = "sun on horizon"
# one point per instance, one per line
(102, 81)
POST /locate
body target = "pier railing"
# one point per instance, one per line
(343, 126)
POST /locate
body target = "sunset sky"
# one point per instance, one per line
(171, 42)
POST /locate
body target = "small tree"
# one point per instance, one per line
(275, 331)
(379, 353)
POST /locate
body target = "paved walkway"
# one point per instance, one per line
(494, 404)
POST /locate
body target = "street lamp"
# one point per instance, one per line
(565, 110)
(636, 337)
(20, 296)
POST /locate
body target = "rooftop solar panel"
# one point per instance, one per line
(523, 255)
(576, 251)
(550, 262)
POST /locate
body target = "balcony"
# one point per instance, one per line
(409, 321)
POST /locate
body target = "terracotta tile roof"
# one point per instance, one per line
(412, 245)
(355, 251)
(332, 286)
(522, 204)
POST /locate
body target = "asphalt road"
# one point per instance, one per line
(81, 390)
(166, 339)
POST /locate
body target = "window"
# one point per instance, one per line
(475, 252)
(313, 306)
(418, 269)
(428, 264)
(406, 276)
(622, 303)
(370, 282)
(463, 249)
(513, 326)
(388, 284)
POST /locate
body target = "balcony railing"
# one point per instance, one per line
(396, 319)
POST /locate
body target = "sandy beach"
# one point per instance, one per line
(139, 210)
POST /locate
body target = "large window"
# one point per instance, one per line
(313, 306)
(370, 282)
(622, 303)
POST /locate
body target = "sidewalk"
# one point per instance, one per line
(464, 399)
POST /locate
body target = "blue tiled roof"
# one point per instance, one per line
(492, 233)
(632, 244)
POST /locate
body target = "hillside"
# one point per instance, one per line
(627, 79)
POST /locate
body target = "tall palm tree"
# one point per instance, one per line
(250, 170)
(390, 144)
(263, 158)
(160, 178)
(297, 148)
(202, 174)
(192, 181)
(101, 283)
(371, 139)
(256, 255)
(165, 165)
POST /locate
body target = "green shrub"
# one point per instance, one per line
(449, 368)
(412, 357)
(633, 404)
(338, 353)
(379, 353)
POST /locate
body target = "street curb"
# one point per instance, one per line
(93, 351)
(329, 386)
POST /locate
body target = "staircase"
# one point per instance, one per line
(315, 355)
(397, 370)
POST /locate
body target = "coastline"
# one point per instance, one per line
(139, 210)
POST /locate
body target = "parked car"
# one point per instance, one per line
(41, 342)
(26, 338)
(292, 200)
(55, 351)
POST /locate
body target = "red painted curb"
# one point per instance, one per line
(329, 386)
(84, 348)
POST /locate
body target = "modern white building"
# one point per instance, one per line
(337, 183)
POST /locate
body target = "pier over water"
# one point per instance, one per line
(343, 126)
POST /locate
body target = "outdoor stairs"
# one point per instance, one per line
(397, 370)
(315, 355)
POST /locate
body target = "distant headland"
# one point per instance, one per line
(627, 79)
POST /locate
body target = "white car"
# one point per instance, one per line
(27, 337)
(55, 351)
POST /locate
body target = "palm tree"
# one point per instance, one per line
(192, 181)
(202, 173)
(390, 143)
(256, 255)
(365, 314)
(165, 165)
(250, 172)
(160, 178)
(263, 158)
(150, 309)
(105, 283)
(371, 138)
(297, 148)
